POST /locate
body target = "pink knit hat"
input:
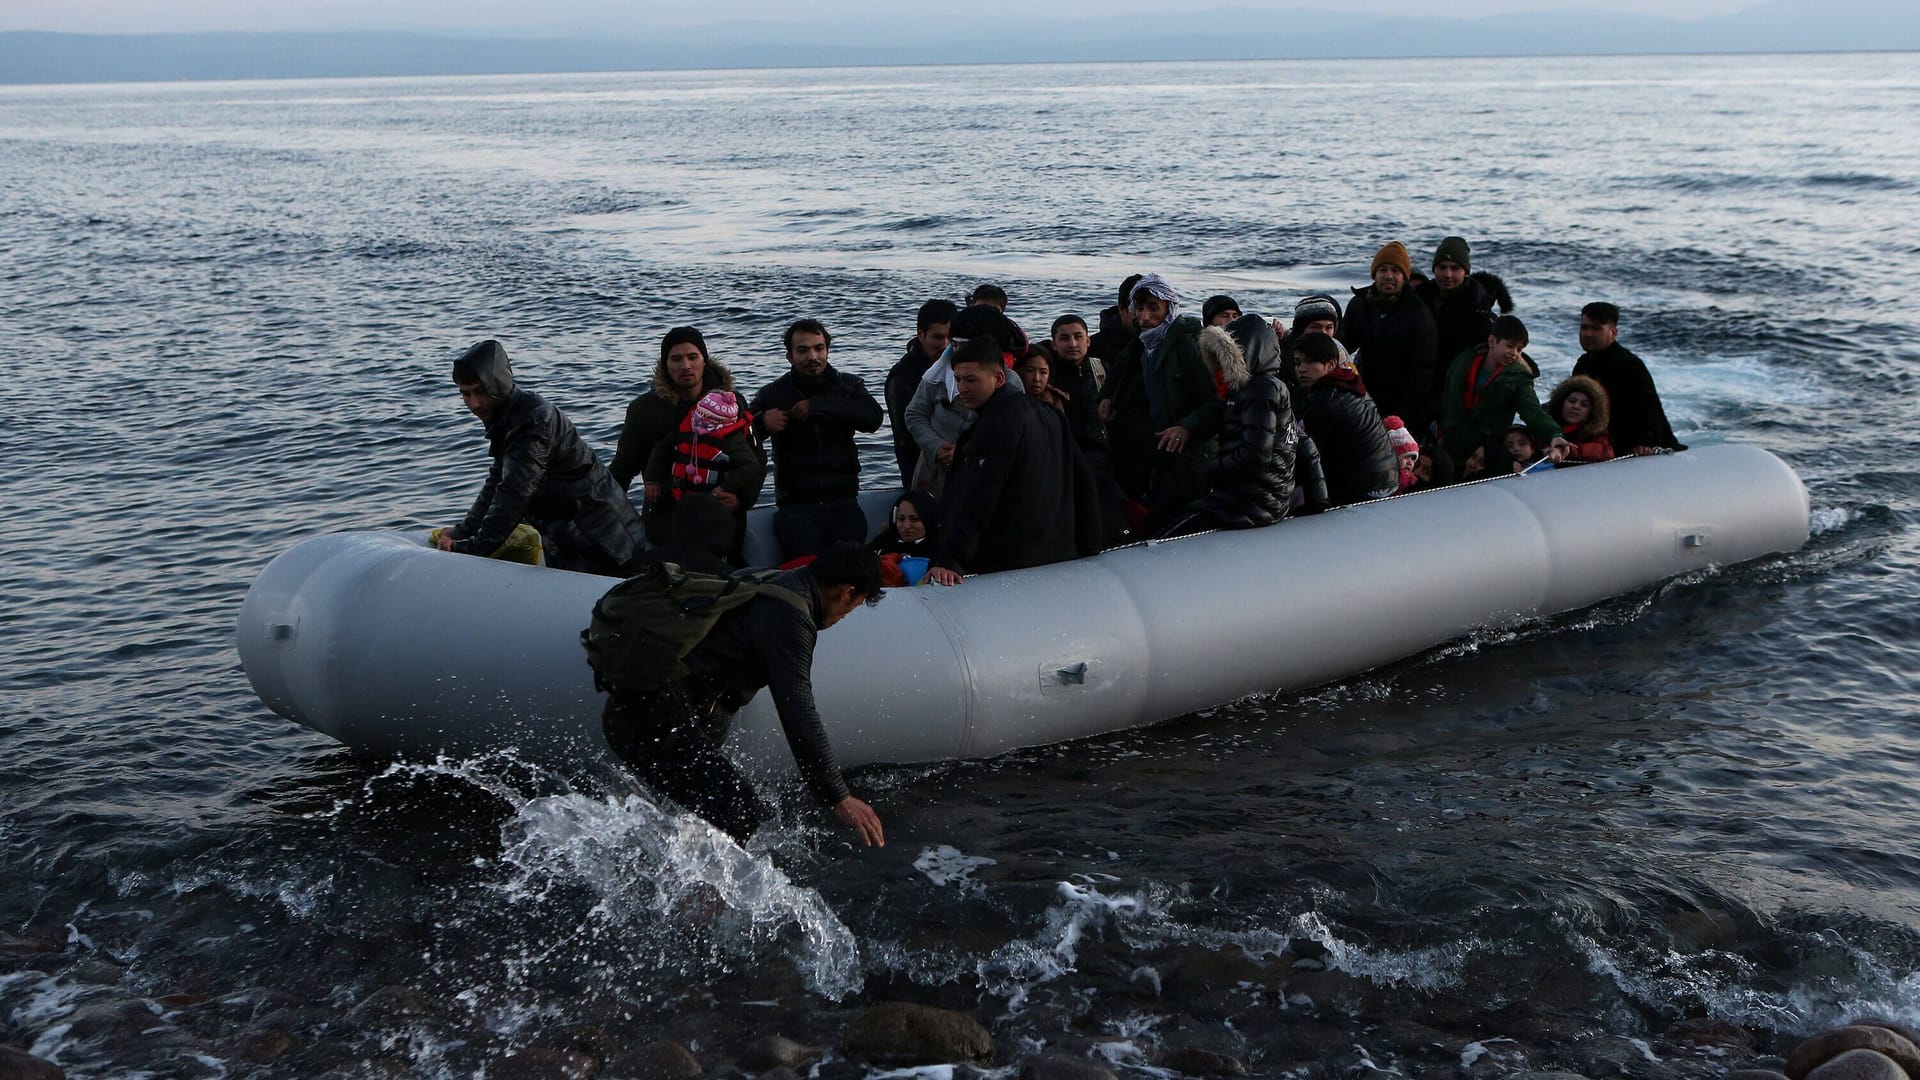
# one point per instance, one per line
(1401, 439)
(715, 411)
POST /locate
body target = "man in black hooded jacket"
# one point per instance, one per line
(543, 474)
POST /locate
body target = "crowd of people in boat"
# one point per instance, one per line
(1018, 451)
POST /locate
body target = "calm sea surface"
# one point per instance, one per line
(226, 320)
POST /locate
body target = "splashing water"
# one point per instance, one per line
(643, 865)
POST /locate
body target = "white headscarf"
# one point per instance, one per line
(1156, 286)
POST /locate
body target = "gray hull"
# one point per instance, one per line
(392, 647)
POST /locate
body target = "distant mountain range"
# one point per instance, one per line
(1226, 34)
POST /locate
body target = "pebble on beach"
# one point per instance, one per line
(897, 1033)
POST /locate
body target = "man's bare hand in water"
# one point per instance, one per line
(860, 817)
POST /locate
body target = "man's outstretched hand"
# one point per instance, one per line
(860, 817)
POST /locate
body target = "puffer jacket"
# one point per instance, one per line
(815, 460)
(543, 473)
(1354, 451)
(1252, 471)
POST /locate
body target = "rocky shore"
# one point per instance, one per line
(1186, 1011)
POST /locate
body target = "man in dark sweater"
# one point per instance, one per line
(811, 414)
(1639, 424)
(931, 330)
(672, 737)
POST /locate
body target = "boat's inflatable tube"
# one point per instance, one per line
(392, 647)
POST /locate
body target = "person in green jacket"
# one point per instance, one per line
(1487, 386)
(1162, 406)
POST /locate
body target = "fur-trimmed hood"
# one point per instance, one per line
(1602, 417)
(1222, 354)
(714, 376)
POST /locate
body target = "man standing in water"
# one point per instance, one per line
(671, 737)
(543, 473)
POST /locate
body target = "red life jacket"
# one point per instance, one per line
(697, 461)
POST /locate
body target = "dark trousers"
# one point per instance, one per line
(671, 741)
(811, 528)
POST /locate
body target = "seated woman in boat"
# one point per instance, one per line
(1581, 408)
(905, 542)
(1251, 474)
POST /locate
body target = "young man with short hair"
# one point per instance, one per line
(1019, 493)
(1487, 387)
(811, 414)
(1638, 425)
(1355, 455)
(932, 327)
(672, 737)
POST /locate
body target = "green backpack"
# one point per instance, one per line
(644, 627)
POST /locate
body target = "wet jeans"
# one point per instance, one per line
(671, 741)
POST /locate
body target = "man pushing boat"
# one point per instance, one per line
(669, 728)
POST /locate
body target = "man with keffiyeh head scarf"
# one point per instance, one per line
(1162, 405)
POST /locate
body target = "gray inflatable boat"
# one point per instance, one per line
(392, 647)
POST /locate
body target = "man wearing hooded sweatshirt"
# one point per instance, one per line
(1162, 407)
(1640, 424)
(1490, 385)
(811, 414)
(1393, 337)
(543, 474)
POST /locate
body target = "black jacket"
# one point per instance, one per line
(1638, 417)
(543, 473)
(1462, 319)
(902, 380)
(769, 642)
(815, 460)
(1354, 451)
(1112, 340)
(1252, 471)
(1396, 350)
(1020, 493)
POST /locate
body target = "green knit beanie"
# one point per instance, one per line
(1454, 248)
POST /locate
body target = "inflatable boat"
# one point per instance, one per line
(395, 648)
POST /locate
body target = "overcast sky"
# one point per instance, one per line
(569, 17)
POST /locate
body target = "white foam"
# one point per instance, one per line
(947, 865)
(1833, 519)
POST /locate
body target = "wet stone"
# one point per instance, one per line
(1833, 1042)
(1859, 1065)
(369, 1069)
(1199, 1061)
(122, 1019)
(661, 1060)
(20, 1065)
(780, 1072)
(97, 971)
(263, 1047)
(1544, 1074)
(900, 1033)
(543, 1063)
(1057, 1066)
(778, 1051)
(1756, 1074)
(1612, 1055)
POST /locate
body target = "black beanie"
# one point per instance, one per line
(1215, 305)
(682, 335)
(1454, 248)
